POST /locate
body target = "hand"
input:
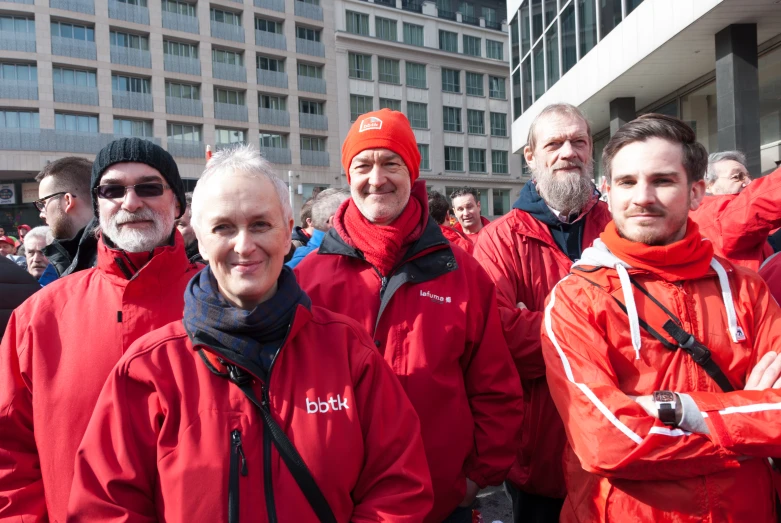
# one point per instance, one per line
(521, 305)
(766, 374)
(471, 493)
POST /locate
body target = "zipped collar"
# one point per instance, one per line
(169, 260)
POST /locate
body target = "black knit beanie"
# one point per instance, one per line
(140, 151)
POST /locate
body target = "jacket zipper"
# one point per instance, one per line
(236, 467)
(268, 486)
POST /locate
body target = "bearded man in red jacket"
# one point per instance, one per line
(430, 309)
(61, 344)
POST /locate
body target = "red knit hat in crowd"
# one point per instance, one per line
(383, 129)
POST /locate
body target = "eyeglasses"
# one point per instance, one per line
(142, 190)
(40, 203)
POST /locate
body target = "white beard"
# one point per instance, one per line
(134, 240)
(565, 192)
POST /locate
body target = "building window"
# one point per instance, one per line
(417, 114)
(268, 26)
(388, 71)
(588, 25)
(451, 80)
(180, 49)
(475, 121)
(451, 119)
(413, 34)
(270, 101)
(141, 3)
(360, 105)
(388, 103)
(312, 143)
(310, 71)
(472, 45)
(25, 72)
(515, 47)
(305, 33)
(137, 128)
(454, 159)
(228, 96)
(271, 64)
(474, 84)
(448, 41)
(310, 107)
(184, 132)
(360, 66)
(186, 91)
(416, 75)
(75, 77)
(226, 136)
(130, 84)
(489, 13)
(179, 8)
(225, 17)
(477, 160)
(75, 122)
(498, 124)
(386, 29)
(130, 41)
(19, 119)
(227, 57)
(494, 49)
(62, 29)
(496, 88)
(357, 23)
(569, 51)
(501, 201)
(552, 54)
(273, 141)
(499, 162)
(424, 163)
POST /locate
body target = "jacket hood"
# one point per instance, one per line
(598, 255)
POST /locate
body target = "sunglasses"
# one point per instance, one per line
(40, 203)
(142, 190)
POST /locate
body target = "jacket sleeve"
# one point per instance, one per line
(521, 327)
(742, 224)
(21, 484)
(115, 469)
(747, 421)
(493, 388)
(611, 434)
(394, 484)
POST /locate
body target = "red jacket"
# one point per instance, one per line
(472, 237)
(436, 323)
(738, 225)
(457, 238)
(771, 273)
(169, 423)
(59, 348)
(522, 258)
(626, 465)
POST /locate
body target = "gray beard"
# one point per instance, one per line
(138, 241)
(567, 193)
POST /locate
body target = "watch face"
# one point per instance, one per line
(664, 396)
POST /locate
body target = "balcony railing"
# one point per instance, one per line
(493, 25)
(152, 139)
(273, 117)
(219, 146)
(227, 31)
(182, 64)
(75, 94)
(183, 106)
(180, 22)
(312, 85)
(138, 14)
(313, 121)
(184, 149)
(318, 158)
(13, 41)
(53, 140)
(29, 2)
(130, 56)
(389, 3)
(278, 155)
(273, 40)
(133, 101)
(62, 46)
(272, 78)
(274, 5)
(309, 47)
(236, 73)
(78, 6)
(471, 20)
(447, 15)
(314, 12)
(412, 5)
(223, 111)
(19, 89)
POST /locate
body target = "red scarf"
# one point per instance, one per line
(384, 245)
(685, 259)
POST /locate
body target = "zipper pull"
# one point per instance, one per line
(236, 437)
(383, 284)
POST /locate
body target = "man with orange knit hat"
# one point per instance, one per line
(386, 264)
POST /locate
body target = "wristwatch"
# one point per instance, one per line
(668, 407)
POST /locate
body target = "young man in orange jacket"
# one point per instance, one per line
(661, 357)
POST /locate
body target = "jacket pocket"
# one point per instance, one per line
(238, 465)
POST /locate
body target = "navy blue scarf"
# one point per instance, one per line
(249, 338)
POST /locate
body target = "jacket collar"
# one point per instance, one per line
(169, 260)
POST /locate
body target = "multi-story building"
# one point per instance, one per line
(75, 74)
(716, 64)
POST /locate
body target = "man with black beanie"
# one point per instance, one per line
(63, 342)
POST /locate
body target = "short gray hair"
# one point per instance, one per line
(557, 108)
(713, 159)
(245, 159)
(325, 205)
(42, 233)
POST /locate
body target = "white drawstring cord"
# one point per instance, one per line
(631, 308)
(726, 295)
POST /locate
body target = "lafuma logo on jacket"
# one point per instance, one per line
(330, 404)
(436, 299)
(371, 123)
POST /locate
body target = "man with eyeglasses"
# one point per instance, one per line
(65, 205)
(63, 342)
(737, 215)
